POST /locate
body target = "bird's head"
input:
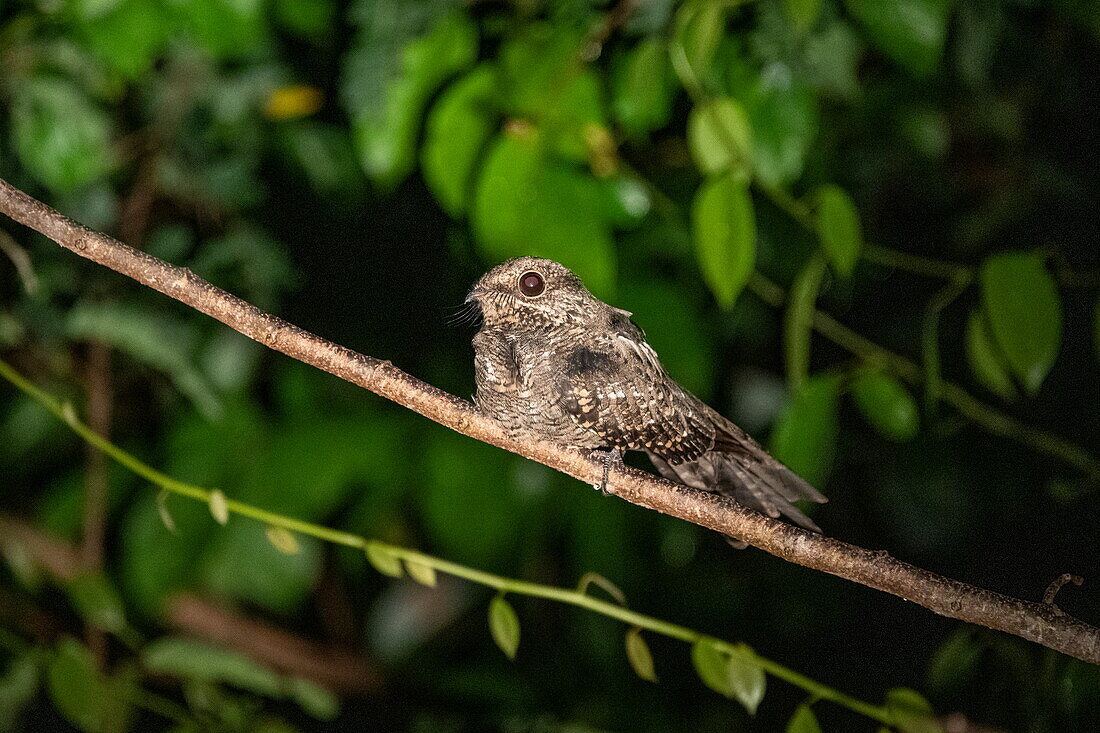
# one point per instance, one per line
(529, 292)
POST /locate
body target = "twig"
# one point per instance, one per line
(973, 409)
(1034, 621)
(336, 668)
(1056, 585)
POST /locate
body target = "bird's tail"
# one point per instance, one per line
(750, 476)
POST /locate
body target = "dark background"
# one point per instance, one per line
(159, 123)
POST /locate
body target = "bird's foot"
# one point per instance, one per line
(608, 457)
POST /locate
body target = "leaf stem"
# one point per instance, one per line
(569, 596)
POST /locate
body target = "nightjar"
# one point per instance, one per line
(553, 362)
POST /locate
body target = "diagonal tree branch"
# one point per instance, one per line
(1038, 622)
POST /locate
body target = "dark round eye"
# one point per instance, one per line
(531, 284)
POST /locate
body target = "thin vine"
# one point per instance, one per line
(389, 559)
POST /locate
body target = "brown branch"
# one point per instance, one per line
(1034, 621)
(334, 667)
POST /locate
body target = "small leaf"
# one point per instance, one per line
(699, 28)
(504, 626)
(886, 404)
(612, 590)
(314, 699)
(97, 601)
(18, 687)
(724, 230)
(911, 32)
(803, 15)
(62, 139)
(804, 437)
(383, 560)
(219, 507)
(421, 572)
(162, 510)
(292, 101)
(282, 540)
(985, 361)
(803, 721)
(838, 228)
(457, 130)
(642, 92)
(720, 136)
(798, 321)
(910, 712)
(637, 652)
(712, 665)
(192, 660)
(76, 688)
(747, 679)
(1024, 312)
(954, 662)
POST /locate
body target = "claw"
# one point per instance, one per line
(609, 457)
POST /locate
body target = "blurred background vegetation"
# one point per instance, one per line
(922, 170)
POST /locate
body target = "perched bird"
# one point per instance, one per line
(554, 362)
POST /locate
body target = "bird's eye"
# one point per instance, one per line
(531, 284)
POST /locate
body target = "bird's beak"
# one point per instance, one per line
(474, 295)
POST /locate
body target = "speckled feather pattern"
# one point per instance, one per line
(566, 367)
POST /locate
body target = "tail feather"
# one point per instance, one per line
(752, 478)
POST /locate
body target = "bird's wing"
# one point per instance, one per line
(620, 391)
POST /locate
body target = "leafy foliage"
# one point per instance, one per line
(913, 167)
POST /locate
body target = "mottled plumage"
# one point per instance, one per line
(553, 362)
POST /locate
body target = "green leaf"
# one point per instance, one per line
(591, 578)
(59, 135)
(711, 663)
(838, 228)
(458, 127)
(314, 699)
(282, 540)
(803, 14)
(219, 507)
(642, 89)
(1024, 313)
(798, 322)
(700, 26)
(76, 688)
(783, 115)
(886, 404)
(747, 679)
(528, 203)
(128, 37)
(987, 363)
(18, 687)
(910, 712)
(156, 339)
(226, 30)
(639, 656)
(911, 32)
(383, 560)
(724, 230)
(192, 660)
(385, 130)
(97, 601)
(805, 434)
(504, 626)
(720, 136)
(162, 510)
(955, 661)
(803, 721)
(421, 573)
